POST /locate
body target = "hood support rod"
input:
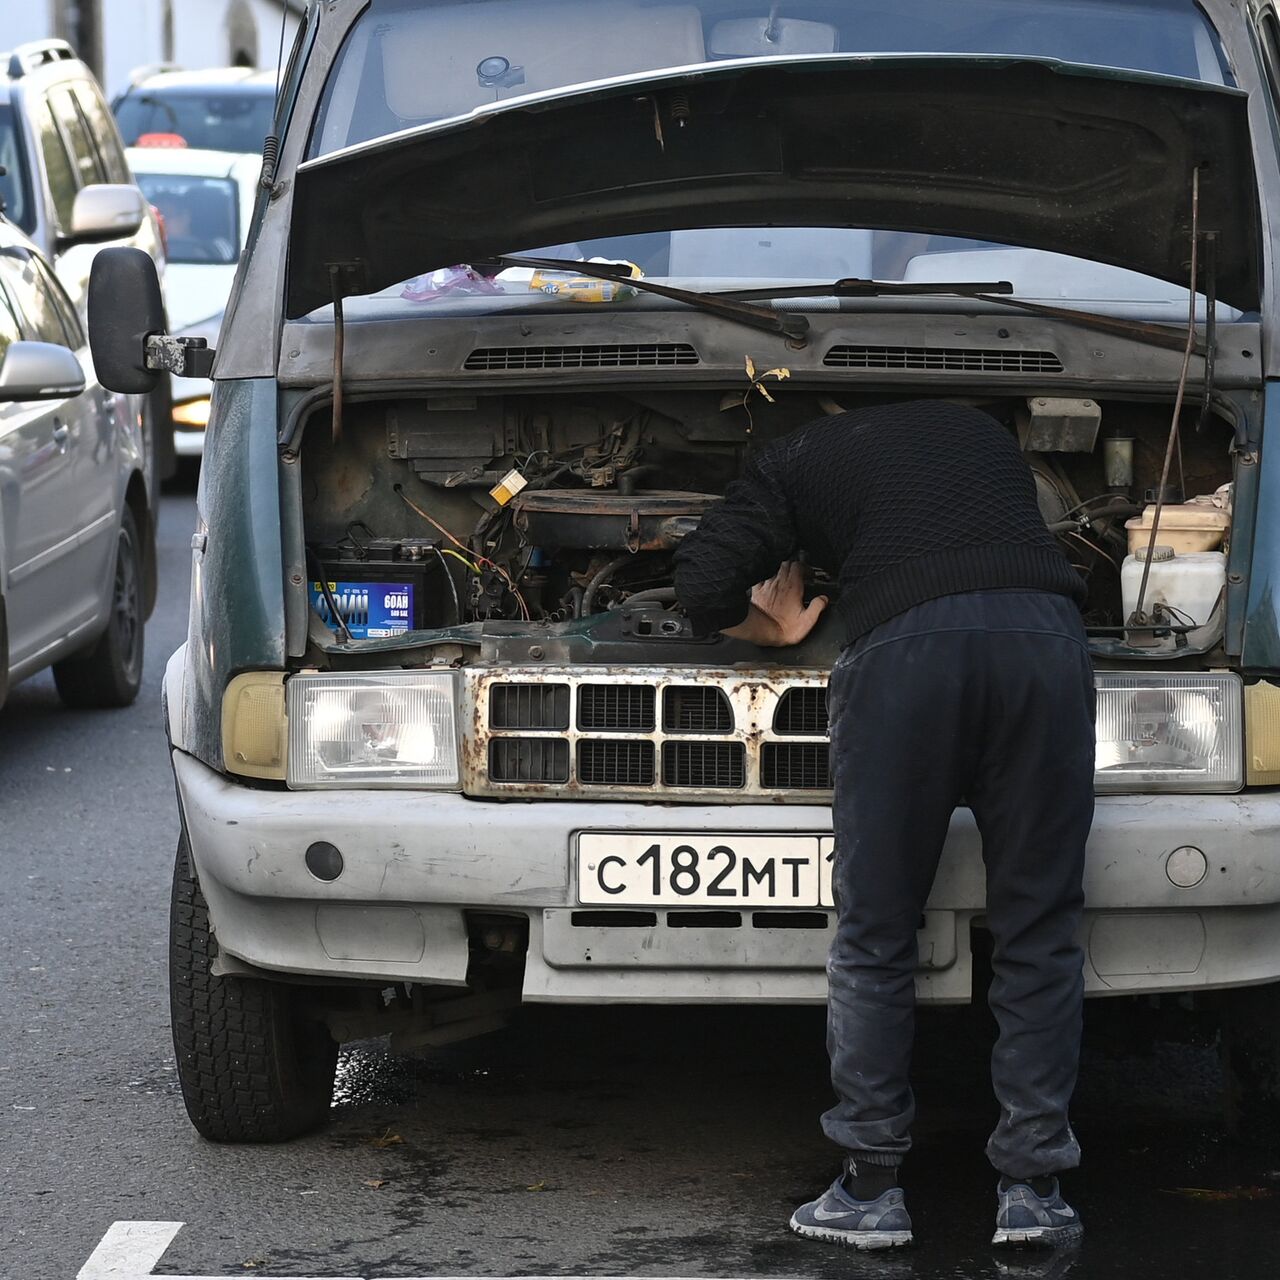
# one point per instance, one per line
(1139, 618)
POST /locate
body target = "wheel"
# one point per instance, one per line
(252, 1066)
(1251, 1063)
(109, 672)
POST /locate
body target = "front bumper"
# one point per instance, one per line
(417, 863)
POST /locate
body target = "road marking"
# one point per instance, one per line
(132, 1250)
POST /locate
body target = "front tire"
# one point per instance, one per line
(252, 1066)
(1251, 1063)
(109, 673)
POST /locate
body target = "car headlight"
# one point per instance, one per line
(1174, 732)
(397, 729)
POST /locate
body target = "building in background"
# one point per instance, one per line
(117, 36)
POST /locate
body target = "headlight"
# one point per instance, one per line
(1175, 732)
(393, 730)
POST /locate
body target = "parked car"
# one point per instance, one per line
(67, 185)
(206, 200)
(442, 741)
(223, 109)
(74, 515)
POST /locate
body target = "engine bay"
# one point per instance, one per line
(558, 514)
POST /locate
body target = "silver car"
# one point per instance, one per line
(73, 500)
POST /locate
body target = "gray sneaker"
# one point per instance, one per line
(881, 1223)
(1026, 1218)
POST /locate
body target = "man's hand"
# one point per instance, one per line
(778, 616)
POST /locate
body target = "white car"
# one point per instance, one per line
(205, 199)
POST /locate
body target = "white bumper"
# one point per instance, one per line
(417, 863)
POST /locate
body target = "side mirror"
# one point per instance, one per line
(40, 371)
(107, 211)
(125, 309)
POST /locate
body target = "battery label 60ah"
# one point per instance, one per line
(371, 610)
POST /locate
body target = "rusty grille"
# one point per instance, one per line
(529, 760)
(694, 708)
(802, 711)
(603, 762)
(946, 359)
(704, 764)
(529, 706)
(796, 766)
(615, 708)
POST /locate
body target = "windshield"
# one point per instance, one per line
(201, 216)
(15, 192)
(407, 63)
(211, 120)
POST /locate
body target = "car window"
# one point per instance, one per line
(15, 185)
(210, 119)
(201, 216)
(57, 164)
(10, 330)
(480, 52)
(79, 139)
(56, 295)
(40, 315)
(102, 129)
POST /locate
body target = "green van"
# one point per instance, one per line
(526, 282)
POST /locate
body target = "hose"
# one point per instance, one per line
(598, 581)
(656, 595)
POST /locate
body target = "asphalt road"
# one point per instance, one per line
(664, 1142)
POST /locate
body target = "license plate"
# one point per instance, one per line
(673, 869)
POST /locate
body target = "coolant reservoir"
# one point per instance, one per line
(1198, 525)
(1188, 585)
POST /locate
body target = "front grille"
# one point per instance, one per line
(615, 708)
(694, 708)
(802, 711)
(796, 766)
(606, 763)
(708, 735)
(630, 355)
(529, 706)
(529, 760)
(704, 764)
(944, 359)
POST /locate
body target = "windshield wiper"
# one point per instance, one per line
(998, 291)
(784, 323)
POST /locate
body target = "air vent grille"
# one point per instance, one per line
(802, 711)
(529, 760)
(796, 766)
(943, 359)
(616, 708)
(703, 764)
(634, 355)
(529, 706)
(696, 709)
(606, 763)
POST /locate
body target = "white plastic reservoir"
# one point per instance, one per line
(1188, 583)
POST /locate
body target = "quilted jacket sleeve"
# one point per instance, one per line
(741, 540)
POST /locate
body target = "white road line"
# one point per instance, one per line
(129, 1249)
(132, 1250)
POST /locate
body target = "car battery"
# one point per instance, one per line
(381, 587)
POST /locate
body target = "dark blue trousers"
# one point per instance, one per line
(984, 699)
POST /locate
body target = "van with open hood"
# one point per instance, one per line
(527, 281)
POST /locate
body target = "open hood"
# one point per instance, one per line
(1085, 161)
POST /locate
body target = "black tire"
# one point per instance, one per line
(252, 1066)
(1251, 1064)
(109, 672)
